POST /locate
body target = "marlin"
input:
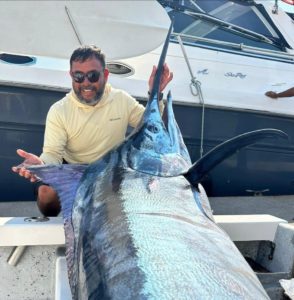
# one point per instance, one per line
(139, 226)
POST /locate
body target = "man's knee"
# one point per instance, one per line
(48, 201)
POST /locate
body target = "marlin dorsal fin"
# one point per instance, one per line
(206, 163)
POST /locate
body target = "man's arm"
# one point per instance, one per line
(286, 93)
(55, 138)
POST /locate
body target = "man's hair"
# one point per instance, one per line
(85, 52)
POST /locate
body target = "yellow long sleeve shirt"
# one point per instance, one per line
(80, 133)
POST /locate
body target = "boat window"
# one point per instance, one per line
(237, 22)
(17, 59)
(119, 68)
(206, 6)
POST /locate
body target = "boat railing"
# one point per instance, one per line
(237, 46)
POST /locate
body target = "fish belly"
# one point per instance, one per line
(153, 242)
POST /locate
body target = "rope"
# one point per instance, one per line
(195, 87)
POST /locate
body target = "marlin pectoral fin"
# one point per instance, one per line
(64, 179)
(202, 166)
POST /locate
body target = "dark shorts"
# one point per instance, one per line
(36, 187)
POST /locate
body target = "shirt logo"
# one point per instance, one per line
(114, 119)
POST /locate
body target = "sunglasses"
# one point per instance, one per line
(92, 76)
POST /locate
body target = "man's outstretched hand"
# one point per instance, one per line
(29, 160)
(272, 94)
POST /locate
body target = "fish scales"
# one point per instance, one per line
(145, 241)
(164, 241)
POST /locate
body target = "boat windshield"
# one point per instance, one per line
(225, 24)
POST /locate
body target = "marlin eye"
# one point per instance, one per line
(152, 128)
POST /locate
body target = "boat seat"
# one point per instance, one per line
(19, 231)
(25, 232)
(62, 288)
(249, 227)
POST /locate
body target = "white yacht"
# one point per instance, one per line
(225, 55)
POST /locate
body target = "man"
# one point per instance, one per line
(88, 122)
(286, 93)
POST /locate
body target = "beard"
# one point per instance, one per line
(95, 99)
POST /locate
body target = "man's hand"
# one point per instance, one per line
(166, 77)
(29, 160)
(272, 94)
(286, 93)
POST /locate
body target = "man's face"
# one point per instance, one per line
(88, 80)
